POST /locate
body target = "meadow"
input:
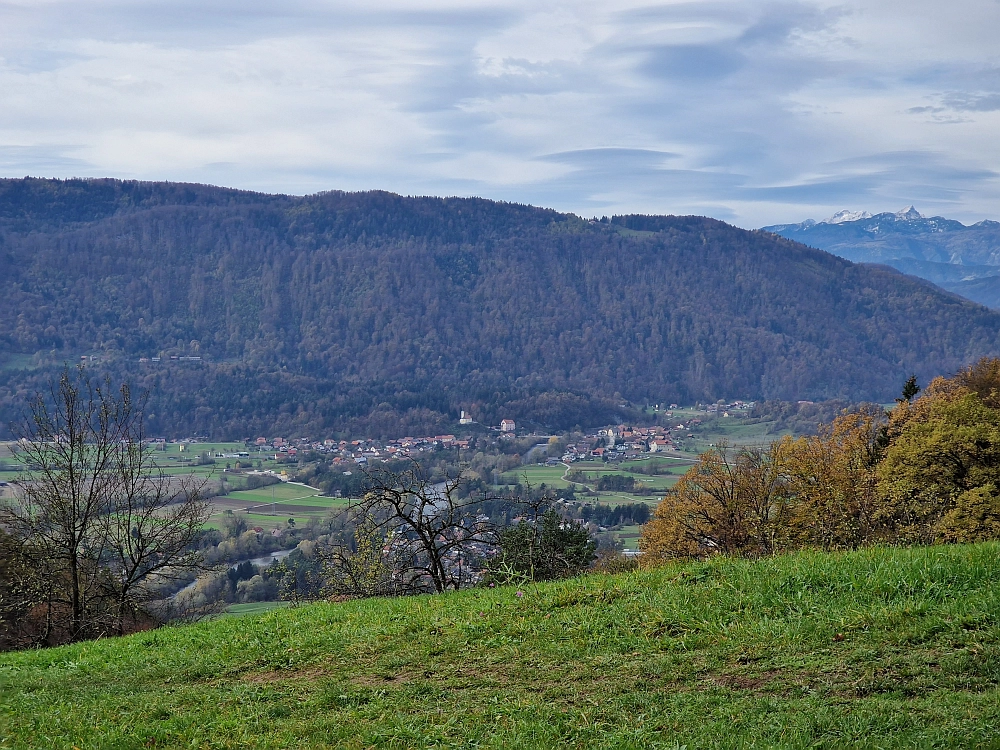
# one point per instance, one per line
(553, 476)
(878, 648)
(273, 505)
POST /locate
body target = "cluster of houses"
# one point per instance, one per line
(361, 451)
(620, 443)
(506, 425)
(726, 409)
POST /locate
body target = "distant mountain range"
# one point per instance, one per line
(962, 259)
(246, 314)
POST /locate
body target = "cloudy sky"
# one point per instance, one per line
(753, 112)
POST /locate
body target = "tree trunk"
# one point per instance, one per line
(77, 613)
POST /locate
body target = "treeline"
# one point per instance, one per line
(615, 483)
(927, 472)
(374, 313)
(626, 514)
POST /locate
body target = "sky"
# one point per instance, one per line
(751, 112)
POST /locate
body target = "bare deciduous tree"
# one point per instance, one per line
(100, 522)
(433, 534)
(148, 528)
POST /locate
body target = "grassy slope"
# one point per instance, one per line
(878, 648)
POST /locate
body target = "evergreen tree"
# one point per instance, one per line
(545, 550)
(910, 388)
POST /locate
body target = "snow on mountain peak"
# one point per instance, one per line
(907, 214)
(841, 216)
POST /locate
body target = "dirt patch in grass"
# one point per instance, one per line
(752, 683)
(279, 675)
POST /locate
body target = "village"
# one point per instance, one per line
(612, 444)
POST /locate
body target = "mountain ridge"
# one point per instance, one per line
(374, 312)
(943, 251)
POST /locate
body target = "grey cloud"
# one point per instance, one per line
(967, 102)
(693, 63)
(758, 111)
(612, 159)
(38, 59)
(900, 177)
(835, 190)
(49, 161)
(193, 23)
(713, 10)
(780, 21)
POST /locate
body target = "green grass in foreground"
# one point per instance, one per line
(880, 648)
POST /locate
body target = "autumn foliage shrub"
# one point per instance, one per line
(926, 472)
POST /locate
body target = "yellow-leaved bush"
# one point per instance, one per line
(926, 472)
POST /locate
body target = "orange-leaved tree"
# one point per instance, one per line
(731, 502)
(832, 483)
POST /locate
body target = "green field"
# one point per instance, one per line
(18, 362)
(629, 536)
(274, 505)
(195, 449)
(552, 476)
(253, 608)
(884, 648)
(174, 462)
(734, 432)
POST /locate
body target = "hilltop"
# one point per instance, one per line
(962, 259)
(876, 648)
(247, 314)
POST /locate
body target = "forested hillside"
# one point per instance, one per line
(375, 312)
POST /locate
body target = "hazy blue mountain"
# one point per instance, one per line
(940, 250)
(246, 314)
(985, 291)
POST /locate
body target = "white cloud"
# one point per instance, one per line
(756, 112)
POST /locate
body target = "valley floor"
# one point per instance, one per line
(879, 648)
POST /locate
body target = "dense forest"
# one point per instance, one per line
(372, 312)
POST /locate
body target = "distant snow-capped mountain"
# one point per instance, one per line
(934, 248)
(841, 216)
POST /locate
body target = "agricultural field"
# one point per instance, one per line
(180, 458)
(554, 476)
(734, 431)
(174, 461)
(274, 505)
(629, 536)
(11, 361)
(880, 648)
(535, 475)
(551, 476)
